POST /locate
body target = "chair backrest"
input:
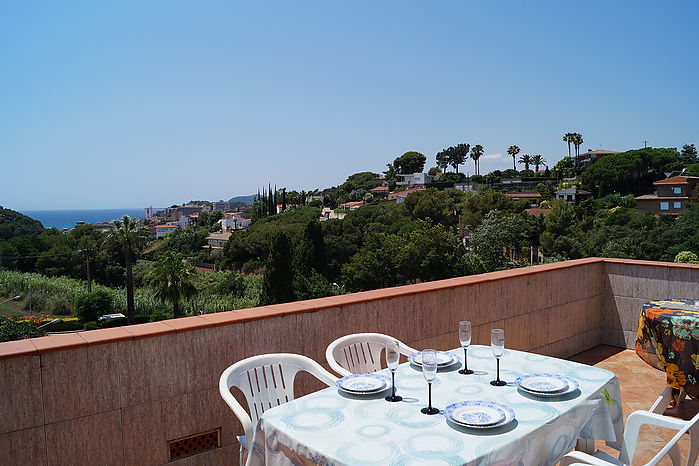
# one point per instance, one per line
(266, 381)
(360, 353)
(638, 418)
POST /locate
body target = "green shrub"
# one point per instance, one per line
(118, 322)
(64, 326)
(59, 306)
(89, 306)
(11, 329)
(141, 319)
(161, 315)
(687, 257)
(92, 325)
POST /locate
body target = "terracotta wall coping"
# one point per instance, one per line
(110, 335)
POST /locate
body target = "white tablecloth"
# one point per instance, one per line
(328, 428)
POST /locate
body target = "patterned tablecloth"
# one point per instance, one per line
(668, 339)
(326, 427)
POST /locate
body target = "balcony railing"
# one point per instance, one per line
(122, 395)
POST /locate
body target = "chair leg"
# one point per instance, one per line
(674, 455)
(662, 402)
(693, 446)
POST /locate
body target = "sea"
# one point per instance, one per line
(68, 218)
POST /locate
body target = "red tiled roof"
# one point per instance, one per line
(166, 226)
(380, 189)
(524, 195)
(536, 211)
(676, 180)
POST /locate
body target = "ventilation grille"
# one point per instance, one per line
(194, 444)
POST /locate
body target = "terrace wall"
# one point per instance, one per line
(118, 396)
(628, 284)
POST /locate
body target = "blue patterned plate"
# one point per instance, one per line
(363, 383)
(547, 384)
(479, 414)
(444, 358)
(543, 383)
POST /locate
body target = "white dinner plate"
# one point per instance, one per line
(444, 358)
(477, 413)
(460, 413)
(363, 384)
(543, 383)
(572, 385)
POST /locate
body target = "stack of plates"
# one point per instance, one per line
(363, 384)
(444, 359)
(479, 414)
(547, 384)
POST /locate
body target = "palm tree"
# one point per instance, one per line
(171, 280)
(129, 236)
(537, 160)
(577, 142)
(513, 151)
(526, 159)
(476, 153)
(568, 137)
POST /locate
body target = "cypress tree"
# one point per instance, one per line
(283, 199)
(278, 279)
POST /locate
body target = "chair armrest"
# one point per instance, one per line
(633, 428)
(578, 457)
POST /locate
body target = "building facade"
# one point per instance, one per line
(672, 196)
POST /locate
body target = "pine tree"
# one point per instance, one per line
(310, 253)
(278, 279)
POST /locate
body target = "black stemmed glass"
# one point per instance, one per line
(392, 360)
(429, 370)
(497, 344)
(465, 339)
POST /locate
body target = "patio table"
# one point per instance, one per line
(668, 340)
(327, 427)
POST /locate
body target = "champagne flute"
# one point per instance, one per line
(392, 360)
(429, 370)
(497, 344)
(465, 339)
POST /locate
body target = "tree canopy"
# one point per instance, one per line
(632, 172)
(410, 162)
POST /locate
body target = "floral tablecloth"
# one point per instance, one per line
(668, 339)
(330, 429)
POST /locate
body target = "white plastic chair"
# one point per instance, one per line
(661, 405)
(266, 381)
(360, 353)
(628, 447)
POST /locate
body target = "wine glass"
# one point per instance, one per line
(497, 344)
(465, 339)
(429, 370)
(392, 360)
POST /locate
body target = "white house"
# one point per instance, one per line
(235, 222)
(415, 179)
(217, 240)
(572, 194)
(221, 205)
(162, 230)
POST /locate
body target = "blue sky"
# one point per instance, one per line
(139, 103)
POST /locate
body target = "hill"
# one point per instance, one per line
(242, 201)
(13, 224)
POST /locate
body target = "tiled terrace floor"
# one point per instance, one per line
(640, 387)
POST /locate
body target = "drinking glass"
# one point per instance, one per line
(429, 370)
(465, 339)
(392, 360)
(497, 344)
